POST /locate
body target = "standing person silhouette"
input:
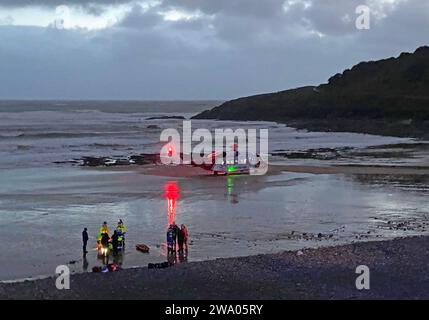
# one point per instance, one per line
(185, 236)
(175, 235)
(85, 240)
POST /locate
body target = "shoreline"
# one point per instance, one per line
(389, 127)
(398, 269)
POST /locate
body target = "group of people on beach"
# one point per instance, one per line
(117, 240)
(177, 239)
(104, 240)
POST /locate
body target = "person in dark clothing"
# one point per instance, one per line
(170, 239)
(184, 230)
(85, 240)
(180, 239)
(104, 246)
(175, 234)
(115, 241)
(105, 240)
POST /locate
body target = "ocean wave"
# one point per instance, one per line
(10, 135)
(42, 135)
(23, 147)
(99, 145)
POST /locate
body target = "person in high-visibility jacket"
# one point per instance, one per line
(121, 227)
(104, 228)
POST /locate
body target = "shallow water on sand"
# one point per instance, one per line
(43, 212)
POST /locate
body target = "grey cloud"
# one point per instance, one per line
(137, 18)
(264, 8)
(22, 3)
(237, 48)
(95, 8)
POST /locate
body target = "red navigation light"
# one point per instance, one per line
(170, 151)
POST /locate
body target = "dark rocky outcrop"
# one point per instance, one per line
(145, 158)
(94, 161)
(389, 96)
(153, 127)
(140, 159)
(167, 118)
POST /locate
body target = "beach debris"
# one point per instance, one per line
(93, 161)
(112, 267)
(145, 158)
(103, 161)
(300, 253)
(140, 159)
(142, 248)
(307, 236)
(161, 265)
(404, 224)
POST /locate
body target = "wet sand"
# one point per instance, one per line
(222, 213)
(398, 270)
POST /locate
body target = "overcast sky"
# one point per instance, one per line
(192, 49)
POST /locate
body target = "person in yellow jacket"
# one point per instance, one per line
(121, 227)
(104, 228)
